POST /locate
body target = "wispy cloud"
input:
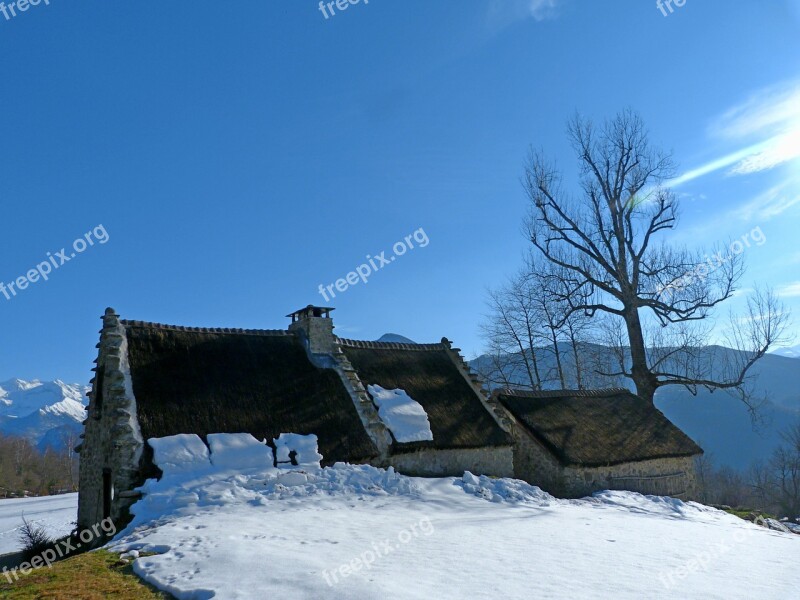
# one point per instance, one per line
(790, 290)
(720, 163)
(742, 292)
(505, 12)
(766, 111)
(542, 9)
(770, 203)
(776, 151)
(766, 127)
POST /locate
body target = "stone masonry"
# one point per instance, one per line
(112, 448)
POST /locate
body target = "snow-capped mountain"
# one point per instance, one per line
(792, 352)
(46, 413)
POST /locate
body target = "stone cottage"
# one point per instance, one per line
(574, 443)
(155, 380)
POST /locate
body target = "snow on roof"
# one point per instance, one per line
(179, 453)
(239, 450)
(404, 416)
(186, 454)
(429, 373)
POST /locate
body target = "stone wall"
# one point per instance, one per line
(535, 464)
(673, 476)
(663, 476)
(452, 463)
(112, 449)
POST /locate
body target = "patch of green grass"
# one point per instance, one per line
(744, 513)
(91, 576)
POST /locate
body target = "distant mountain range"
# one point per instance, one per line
(791, 352)
(47, 413)
(718, 422)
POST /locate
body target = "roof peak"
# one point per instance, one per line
(231, 330)
(348, 343)
(602, 393)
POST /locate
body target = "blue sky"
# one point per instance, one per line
(240, 154)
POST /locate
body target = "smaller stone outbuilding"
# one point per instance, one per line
(574, 443)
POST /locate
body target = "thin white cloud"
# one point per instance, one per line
(719, 163)
(790, 290)
(770, 203)
(543, 9)
(766, 111)
(778, 150)
(505, 12)
(768, 126)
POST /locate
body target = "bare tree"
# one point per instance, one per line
(26, 470)
(550, 315)
(609, 357)
(532, 336)
(785, 466)
(513, 332)
(704, 468)
(603, 242)
(576, 326)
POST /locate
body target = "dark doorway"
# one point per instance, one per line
(108, 493)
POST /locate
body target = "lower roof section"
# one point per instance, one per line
(598, 427)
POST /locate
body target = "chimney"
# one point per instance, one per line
(314, 323)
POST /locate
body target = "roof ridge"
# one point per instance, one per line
(165, 327)
(348, 343)
(601, 393)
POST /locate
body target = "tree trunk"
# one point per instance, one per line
(646, 383)
(557, 354)
(576, 355)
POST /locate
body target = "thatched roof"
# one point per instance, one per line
(428, 374)
(595, 428)
(192, 380)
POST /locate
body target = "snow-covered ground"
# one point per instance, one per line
(55, 513)
(360, 532)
